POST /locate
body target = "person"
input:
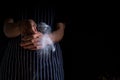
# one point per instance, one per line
(25, 57)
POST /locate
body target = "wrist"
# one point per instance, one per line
(52, 37)
(18, 26)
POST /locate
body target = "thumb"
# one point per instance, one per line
(33, 26)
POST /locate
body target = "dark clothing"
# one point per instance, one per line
(21, 64)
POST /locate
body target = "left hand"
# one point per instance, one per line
(32, 37)
(32, 42)
(36, 41)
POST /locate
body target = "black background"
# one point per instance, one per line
(89, 41)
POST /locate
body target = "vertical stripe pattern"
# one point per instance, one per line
(21, 64)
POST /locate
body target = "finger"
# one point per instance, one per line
(29, 46)
(32, 47)
(36, 48)
(33, 41)
(25, 43)
(37, 35)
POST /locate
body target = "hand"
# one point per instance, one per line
(36, 41)
(27, 27)
(32, 42)
(31, 39)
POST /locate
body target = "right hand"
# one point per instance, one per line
(27, 27)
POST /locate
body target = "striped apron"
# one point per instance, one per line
(22, 64)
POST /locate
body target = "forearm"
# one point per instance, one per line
(11, 29)
(57, 35)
